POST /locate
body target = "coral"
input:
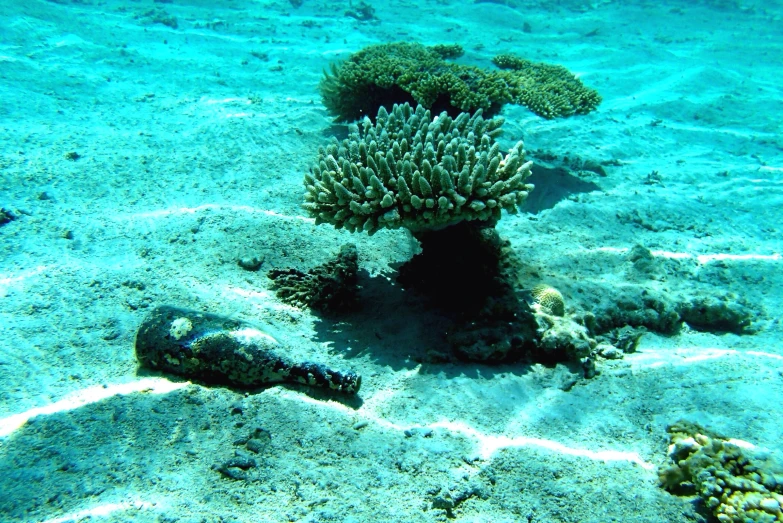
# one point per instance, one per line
(396, 73)
(730, 480)
(446, 181)
(327, 288)
(548, 90)
(180, 328)
(414, 171)
(448, 51)
(549, 299)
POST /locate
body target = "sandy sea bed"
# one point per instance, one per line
(192, 143)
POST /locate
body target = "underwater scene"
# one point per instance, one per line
(358, 261)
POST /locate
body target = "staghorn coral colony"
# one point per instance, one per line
(415, 171)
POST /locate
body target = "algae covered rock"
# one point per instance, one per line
(635, 306)
(664, 311)
(412, 170)
(562, 339)
(400, 72)
(718, 314)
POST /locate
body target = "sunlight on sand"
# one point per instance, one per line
(86, 396)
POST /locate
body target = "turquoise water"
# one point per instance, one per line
(153, 153)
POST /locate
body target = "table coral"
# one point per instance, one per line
(400, 72)
(548, 90)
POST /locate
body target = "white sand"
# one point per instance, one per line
(192, 152)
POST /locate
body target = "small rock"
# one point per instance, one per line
(250, 263)
(237, 467)
(6, 216)
(588, 364)
(258, 440)
(610, 352)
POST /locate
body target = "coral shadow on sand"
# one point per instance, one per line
(552, 186)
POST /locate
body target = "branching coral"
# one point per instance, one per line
(415, 171)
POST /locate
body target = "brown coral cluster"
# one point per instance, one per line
(731, 482)
(548, 90)
(330, 287)
(400, 72)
